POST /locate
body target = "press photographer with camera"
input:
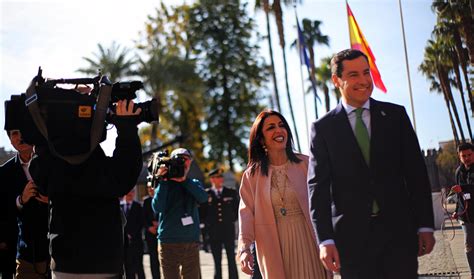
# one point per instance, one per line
(86, 233)
(176, 203)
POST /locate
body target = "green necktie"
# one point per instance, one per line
(362, 136)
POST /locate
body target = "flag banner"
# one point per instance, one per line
(359, 42)
(304, 60)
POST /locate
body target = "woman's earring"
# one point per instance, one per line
(265, 149)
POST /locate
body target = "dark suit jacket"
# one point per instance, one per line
(342, 186)
(148, 217)
(134, 225)
(221, 213)
(13, 180)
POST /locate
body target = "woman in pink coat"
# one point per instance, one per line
(274, 210)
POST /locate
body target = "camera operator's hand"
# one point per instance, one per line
(29, 192)
(124, 110)
(456, 189)
(178, 179)
(161, 172)
(41, 198)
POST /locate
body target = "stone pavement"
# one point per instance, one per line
(207, 266)
(446, 261)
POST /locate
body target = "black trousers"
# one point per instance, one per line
(216, 247)
(388, 255)
(134, 261)
(152, 245)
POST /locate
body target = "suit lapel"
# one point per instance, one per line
(376, 124)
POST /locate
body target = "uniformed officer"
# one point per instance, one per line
(221, 213)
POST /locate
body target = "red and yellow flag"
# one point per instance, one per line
(359, 42)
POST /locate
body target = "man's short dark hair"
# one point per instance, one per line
(465, 146)
(347, 54)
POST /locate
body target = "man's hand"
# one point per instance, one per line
(330, 257)
(124, 110)
(246, 262)
(41, 198)
(29, 192)
(426, 242)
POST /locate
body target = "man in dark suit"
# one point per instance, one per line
(28, 214)
(221, 213)
(13, 178)
(369, 190)
(151, 230)
(133, 236)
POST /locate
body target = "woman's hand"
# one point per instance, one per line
(246, 262)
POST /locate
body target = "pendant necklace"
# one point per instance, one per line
(280, 180)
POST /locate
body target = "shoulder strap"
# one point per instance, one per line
(96, 128)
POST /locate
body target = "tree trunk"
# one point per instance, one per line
(444, 80)
(461, 92)
(279, 21)
(326, 97)
(276, 94)
(462, 58)
(289, 101)
(453, 126)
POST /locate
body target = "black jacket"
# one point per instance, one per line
(85, 223)
(12, 179)
(465, 178)
(342, 186)
(220, 213)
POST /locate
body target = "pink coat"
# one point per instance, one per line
(257, 221)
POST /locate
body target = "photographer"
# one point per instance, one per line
(29, 217)
(85, 226)
(176, 203)
(465, 190)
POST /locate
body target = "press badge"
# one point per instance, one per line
(187, 220)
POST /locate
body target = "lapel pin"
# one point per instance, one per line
(382, 112)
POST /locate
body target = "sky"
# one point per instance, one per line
(57, 34)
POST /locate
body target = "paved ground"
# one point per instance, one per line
(446, 261)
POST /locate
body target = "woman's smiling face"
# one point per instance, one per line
(274, 133)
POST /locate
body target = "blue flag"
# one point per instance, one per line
(304, 60)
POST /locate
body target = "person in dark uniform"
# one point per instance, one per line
(133, 237)
(221, 213)
(151, 230)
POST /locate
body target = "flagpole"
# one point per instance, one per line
(408, 68)
(302, 82)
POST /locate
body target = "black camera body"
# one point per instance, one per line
(68, 114)
(175, 165)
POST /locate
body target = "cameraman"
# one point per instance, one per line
(85, 226)
(176, 203)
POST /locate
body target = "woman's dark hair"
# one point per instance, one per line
(257, 157)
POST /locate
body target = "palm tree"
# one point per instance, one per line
(276, 7)
(323, 77)
(435, 66)
(448, 26)
(113, 61)
(266, 9)
(443, 33)
(460, 13)
(312, 37)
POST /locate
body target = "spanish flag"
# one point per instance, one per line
(359, 42)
